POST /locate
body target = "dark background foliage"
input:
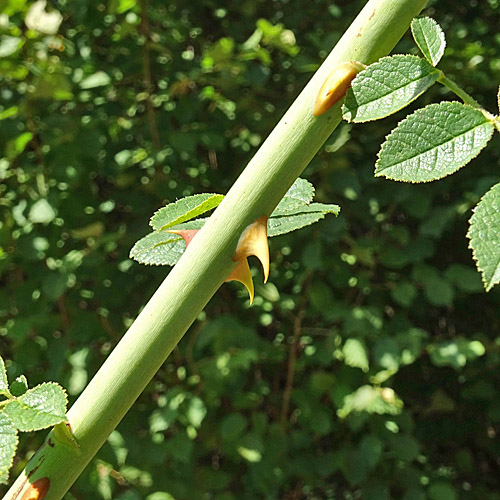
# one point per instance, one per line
(368, 366)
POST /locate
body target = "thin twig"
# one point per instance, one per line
(63, 312)
(148, 80)
(292, 353)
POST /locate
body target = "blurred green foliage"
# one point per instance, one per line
(368, 366)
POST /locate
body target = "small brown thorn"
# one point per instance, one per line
(186, 234)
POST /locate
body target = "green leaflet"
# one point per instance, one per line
(433, 142)
(355, 354)
(387, 86)
(165, 249)
(301, 193)
(184, 210)
(9, 45)
(303, 216)
(484, 235)
(8, 445)
(439, 292)
(161, 248)
(429, 37)
(465, 278)
(9, 112)
(158, 249)
(16, 146)
(370, 399)
(38, 408)
(456, 352)
(98, 79)
(371, 448)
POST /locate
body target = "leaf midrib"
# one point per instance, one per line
(434, 147)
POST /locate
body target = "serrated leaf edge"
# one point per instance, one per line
(487, 286)
(321, 217)
(328, 208)
(139, 252)
(299, 202)
(440, 33)
(3, 376)
(376, 174)
(175, 222)
(39, 412)
(323, 208)
(15, 448)
(295, 211)
(173, 240)
(392, 111)
(135, 257)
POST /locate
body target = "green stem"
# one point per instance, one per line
(208, 259)
(466, 98)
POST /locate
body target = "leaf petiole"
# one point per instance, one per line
(466, 98)
(9, 397)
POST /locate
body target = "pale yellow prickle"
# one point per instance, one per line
(253, 241)
(335, 86)
(242, 274)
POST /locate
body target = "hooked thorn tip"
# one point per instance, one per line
(253, 241)
(242, 274)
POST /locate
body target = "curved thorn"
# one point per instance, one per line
(253, 241)
(242, 274)
(335, 86)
